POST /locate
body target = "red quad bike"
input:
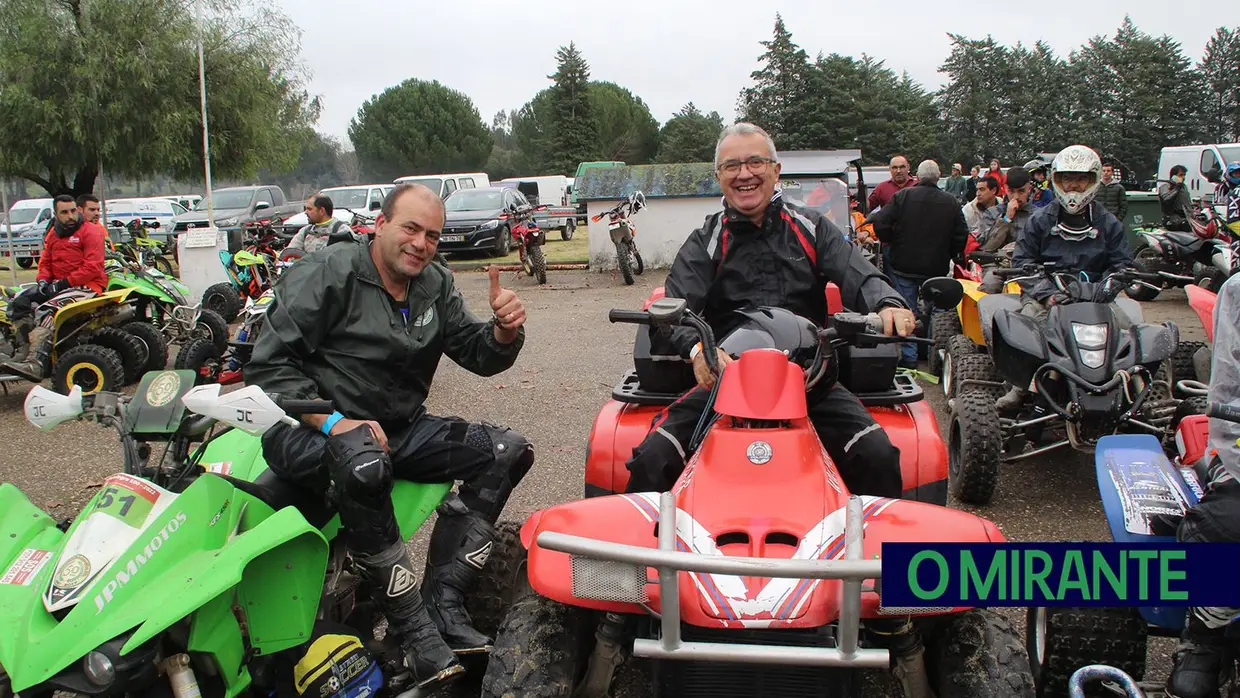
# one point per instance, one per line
(759, 551)
(529, 238)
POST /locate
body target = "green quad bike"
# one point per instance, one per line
(204, 571)
(163, 311)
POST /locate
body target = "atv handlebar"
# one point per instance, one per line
(305, 406)
(1225, 412)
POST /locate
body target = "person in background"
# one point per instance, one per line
(970, 184)
(957, 185)
(88, 206)
(983, 214)
(1040, 195)
(1227, 194)
(1112, 194)
(72, 259)
(997, 173)
(864, 231)
(1016, 211)
(323, 230)
(900, 179)
(1174, 198)
(923, 229)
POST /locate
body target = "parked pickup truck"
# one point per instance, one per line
(236, 206)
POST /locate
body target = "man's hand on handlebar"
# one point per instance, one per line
(701, 369)
(899, 321)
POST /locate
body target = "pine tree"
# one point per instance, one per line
(574, 127)
(690, 136)
(775, 101)
(1220, 71)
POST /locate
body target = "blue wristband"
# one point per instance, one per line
(331, 422)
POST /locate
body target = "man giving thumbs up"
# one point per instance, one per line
(365, 326)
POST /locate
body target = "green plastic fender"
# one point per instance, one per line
(141, 286)
(23, 525)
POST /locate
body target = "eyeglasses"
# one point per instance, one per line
(755, 164)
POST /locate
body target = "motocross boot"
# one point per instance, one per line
(1197, 661)
(395, 588)
(1012, 400)
(38, 365)
(21, 330)
(459, 548)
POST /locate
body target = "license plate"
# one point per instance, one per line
(452, 238)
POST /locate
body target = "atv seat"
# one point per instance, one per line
(992, 303)
(903, 390)
(278, 493)
(1188, 240)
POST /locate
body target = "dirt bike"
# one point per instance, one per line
(250, 270)
(628, 258)
(760, 580)
(530, 239)
(203, 570)
(1144, 495)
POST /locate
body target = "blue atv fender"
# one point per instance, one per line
(1137, 482)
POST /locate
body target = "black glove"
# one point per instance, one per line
(60, 285)
(44, 286)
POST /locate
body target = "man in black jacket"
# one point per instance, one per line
(365, 326)
(924, 229)
(764, 251)
(1075, 231)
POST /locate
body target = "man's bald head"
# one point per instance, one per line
(423, 192)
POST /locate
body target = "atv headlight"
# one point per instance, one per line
(1090, 336)
(1093, 358)
(99, 669)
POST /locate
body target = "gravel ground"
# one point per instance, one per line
(572, 358)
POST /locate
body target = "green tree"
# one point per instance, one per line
(319, 165)
(574, 132)
(690, 136)
(115, 82)
(1220, 71)
(532, 128)
(780, 91)
(419, 127)
(626, 130)
(504, 159)
(975, 105)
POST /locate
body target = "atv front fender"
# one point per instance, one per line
(22, 526)
(277, 568)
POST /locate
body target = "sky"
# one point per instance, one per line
(672, 52)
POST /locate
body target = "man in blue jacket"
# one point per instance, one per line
(1076, 232)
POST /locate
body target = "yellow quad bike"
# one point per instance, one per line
(958, 335)
(89, 348)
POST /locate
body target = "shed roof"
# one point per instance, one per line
(800, 163)
(655, 181)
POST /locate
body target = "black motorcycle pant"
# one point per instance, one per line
(489, 461)
(1215, 519)
(866, 459)
(22, 305)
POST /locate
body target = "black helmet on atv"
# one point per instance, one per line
(774, 328)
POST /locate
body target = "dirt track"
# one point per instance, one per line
(572, 359)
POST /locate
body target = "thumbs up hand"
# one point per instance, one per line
(509, 313)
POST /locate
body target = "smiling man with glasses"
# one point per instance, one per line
(762, 250)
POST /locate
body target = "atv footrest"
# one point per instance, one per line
(629, 390)
(904, 389)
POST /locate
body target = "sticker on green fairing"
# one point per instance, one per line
(128, 499)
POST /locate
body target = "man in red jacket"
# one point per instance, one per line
(71, 261)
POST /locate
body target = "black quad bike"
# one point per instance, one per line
(1090, 372)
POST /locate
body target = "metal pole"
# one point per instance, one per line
(103, 198)
(8, 224)
(206, 141)
(669, 577)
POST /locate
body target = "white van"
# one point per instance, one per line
(445, 184)
(552, 189)
(29, 217)
(1205, 164)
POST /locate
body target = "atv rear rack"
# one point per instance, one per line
(670, 562)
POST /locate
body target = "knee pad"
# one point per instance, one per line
(514, 455)
(358, 465)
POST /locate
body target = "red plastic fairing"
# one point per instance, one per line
(762, 384)
(835, 302)
(728, 601)
(1192, 438)
(1202, 301)
(619, 428)
(654, 296)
